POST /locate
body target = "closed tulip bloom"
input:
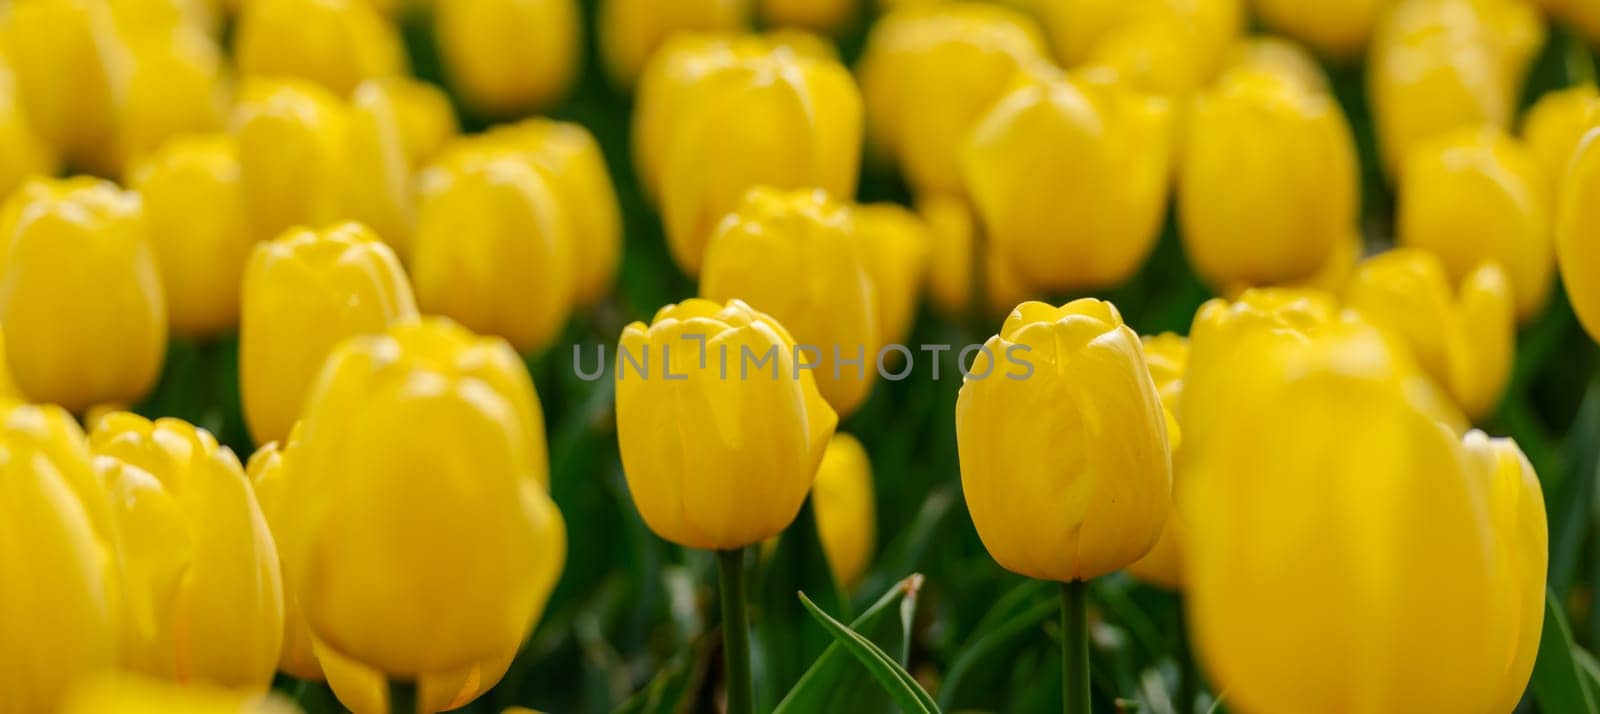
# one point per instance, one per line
(1277, 56)
(335, 43)
(896, 243)
(43, 37)
(826, 16)
(930, 73)
(269, 478)
(495, 250)
(174, 86)
(509, 56)
(631, 30)
(375, 173)
(423, 423)
(205, 599)
(422, 110)
(1069, 174)
(1477, 195)
(1163, 53)
(1269, 182)
(62, 621)
(291, 136)
(740, 476)
(797, 257)
(1577, 224)
(23, 152)
(1556, 124)
(303, 293)
(80, 293)
(1338, 29)
(843, 502)
(774, 119)
(1167, 356)
(1066, 469)
(134, 694)
(194, 203)
(951, 231)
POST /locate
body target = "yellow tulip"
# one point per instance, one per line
(796, 257)
(951, 231)
(9, 394)
(80, 293)
(291, 138)
(843, 503)
(1338, 28)
(1063, 440)
(365, 690)
(827, 16)
(1269, 183)
(1069, 175)
(1577, 223)
(302, 294)
(509, 56)
(202, 238)
(45, 38)
(774, 119)
(269, 478)
(60, 622)
(23, 152)
(1465, 337)
(139, 18)
(897, 243)
(1555, 125)
(205, 599)
(930, 73)
(1170, 47)
(1167, 356)
(423, 423)
(422, 110)
(1439, 65)
(1277, 56)
(335, 43)
(631, 30)
(173, 86)
(1476, 195)
(717, 459)
(375, 172)
(134, 694)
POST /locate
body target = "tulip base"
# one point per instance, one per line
(1075, 646)
(402, 697)
(735, 632)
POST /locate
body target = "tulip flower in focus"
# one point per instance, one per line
(951, 231)
(302, 294)
(202, 238)
(928, 74)
(80, 293)
(1556, 124)
(509, 56)
(1069, 175)
(204, 594)
(843, 502)
(1269, 183)
(631, 30)
(335, 43)
(62, 621)
(1338, 29)
(897, 245)
(1577, 224)
(422, 111)
(1478, 195)
(79, 117)
(132, 694)
(797, 257)
(423, 423)
(825, 16)
(1167, 356)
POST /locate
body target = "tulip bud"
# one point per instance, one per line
(424, 423)
(951, 232)
(760, 425)
(930, 73)
(303, 293)
(1555, 125)
(1064, 463)
(202, 238)
(61, 622)
(509, 56)
(1069, 175)
(375, 173)
(774, 119)
(23, 152)
(205, 599)
(80, 294)
(843, 502)
(826, 16)
(173, 86)
(631, 30)
(422, 110)
(896, 244)
(43, 37)
(1476, 195)
(1167, 356)
(1339, 30)
(796, 256)
(335, 43)
(269, 478)
(133, 694)
(291, 138)
(1577, 223)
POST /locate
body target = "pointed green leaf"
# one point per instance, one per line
(905, 691)
(834, 682)
(1558, 681)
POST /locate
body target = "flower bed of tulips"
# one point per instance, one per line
(666, 356)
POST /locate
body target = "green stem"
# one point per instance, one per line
(1075, 646)
(402, 697)
(735, 632)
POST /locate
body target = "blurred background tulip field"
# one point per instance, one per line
(316, 319)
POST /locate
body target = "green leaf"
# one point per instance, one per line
(834, 683)
(1558, 680)
(907, 694)
(783, 641)
(1019, 611)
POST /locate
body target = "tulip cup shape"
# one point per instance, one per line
(1167, 356)
(426, 119)
(77, 118)
(1578, 232)
(291, 136)
(843, 502)
(631, 30)
(335, 43)
(509, 56)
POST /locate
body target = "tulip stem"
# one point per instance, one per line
(1075, 646)
(735, 632)
(402, 697)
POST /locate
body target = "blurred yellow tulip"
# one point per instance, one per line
(335, 43)
(509, 56)
(204, 594)
(365, 690)
(796, 256)
(1277, 56)
(80, 293)
(825, 16)
(1064, 455)
(1069, 175)
(195, 207)
(62, 621)
(845, 509)
(128, 693)
(22, 152)
(1577, 224)
(719, 452)
(631, 30)
(423, 423)
(951, 232)
(422, 110)
(1269, 183)
(49, 39)
(1170, 47)
(174, 86)
(1167, 356)
(1338, 29)
(896, 243)
(929, 73)
(1477, 195)
(1556, 123)
(375, 172)
(302, 294)
(291, 138)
